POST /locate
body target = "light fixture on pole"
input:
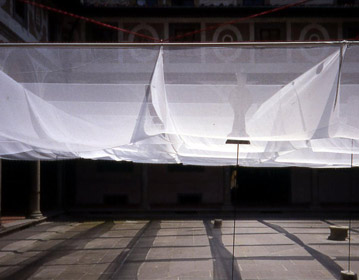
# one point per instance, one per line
(237, 142)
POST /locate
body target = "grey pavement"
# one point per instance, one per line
(11, 224)
(177, 249)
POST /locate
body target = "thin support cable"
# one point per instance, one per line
(349, 242)
(350, 206)
(235, 212)
(45, 7)
(55, 10)
(284, 7)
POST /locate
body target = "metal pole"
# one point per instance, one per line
(235, 211)
(349, 245)
(237, 142)
(204, 44)
(0, 188)
(350, 207)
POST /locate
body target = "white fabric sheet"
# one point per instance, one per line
(297, 105)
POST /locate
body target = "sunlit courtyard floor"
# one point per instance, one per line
(177, 249)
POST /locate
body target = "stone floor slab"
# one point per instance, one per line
(171, 249)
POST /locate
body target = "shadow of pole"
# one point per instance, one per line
(323, 259)
(64, 248)
(122, 267)
(222, 258)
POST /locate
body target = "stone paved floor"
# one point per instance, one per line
(172, 249)
(10, 219)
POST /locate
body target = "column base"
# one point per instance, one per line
(35, 215)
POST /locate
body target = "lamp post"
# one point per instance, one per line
(236, 142)
(348, 274)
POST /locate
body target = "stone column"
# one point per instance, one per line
(144, 188)
(35, 212)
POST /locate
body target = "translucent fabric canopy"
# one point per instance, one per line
(297, 103)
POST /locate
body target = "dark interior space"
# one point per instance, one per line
(69, 183)
(109, 166)
(262, 187)
(58, 185)
(171, 187)
(16, 181)
(189, 199)
(117, 200)
(49, 185)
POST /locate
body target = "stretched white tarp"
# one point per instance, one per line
(296, 103)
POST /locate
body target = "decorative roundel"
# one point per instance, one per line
(37, 15)
(227, 34)
(314, 32)
(146, 30)
(314, 37)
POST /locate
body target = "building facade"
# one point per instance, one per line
(21, 22)
(108, 186)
